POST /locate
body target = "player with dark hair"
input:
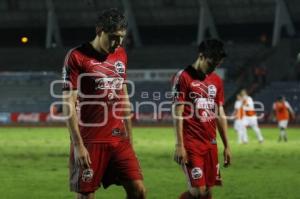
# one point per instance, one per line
(96, 101)
(197, 111)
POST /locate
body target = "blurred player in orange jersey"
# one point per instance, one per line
(238, 116)
(283, 111)
(250, 119)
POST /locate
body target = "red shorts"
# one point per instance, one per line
(202, 169)
(112, 163)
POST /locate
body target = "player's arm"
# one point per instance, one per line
(180, 153)
(233, 115)
(272, 113)
(222, 128)
(127, 113)
(81, 154)
(291, 111)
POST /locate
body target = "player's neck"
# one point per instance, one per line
(97, 46)
(197, 66)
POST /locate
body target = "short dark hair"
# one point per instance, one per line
(212, 49)
(280, 98)
(111, 20)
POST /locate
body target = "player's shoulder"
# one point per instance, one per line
(248, 99)
(121, 52)
(71, 56)
(215, 76)
(77, 51)
(180, 75)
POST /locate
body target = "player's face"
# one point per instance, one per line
(209, 65)
(111, 41)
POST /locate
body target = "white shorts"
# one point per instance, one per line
(250, 121)
(283, 123)
(238, 125)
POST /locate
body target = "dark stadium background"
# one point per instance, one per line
(163, 35)
(262, 40)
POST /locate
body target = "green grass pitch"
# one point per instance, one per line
(33, 165)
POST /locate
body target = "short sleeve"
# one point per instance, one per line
(125, 65)
(70, 72)
(220, 94)
(274, 106)
(237, 105)
(288, 105)
(121, 65)
(179, 87)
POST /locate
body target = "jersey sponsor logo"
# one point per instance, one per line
(197, 173)
(87, 175)
(93, 63)
(212, 91)
(205, 103)
(28, 117)
(120, 67)
(109, 83)
(195, 84)
(116, 132)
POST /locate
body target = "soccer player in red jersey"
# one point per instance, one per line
(97, 104)
(197, 111)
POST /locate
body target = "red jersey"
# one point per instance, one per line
(202, 94)
(99, 80)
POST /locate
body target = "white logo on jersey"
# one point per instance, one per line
(120, 67)
(95, 63)
(205, 103)
(109, 83)
(196, 173)
(195, 84)
(212, 91)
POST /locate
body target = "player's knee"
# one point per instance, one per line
(89, 195)
(139, 192)
(199, 193)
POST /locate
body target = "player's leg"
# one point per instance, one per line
(283, 125)
(280, 132)
(237, 130)
(256, 129)
(85, 195)
(134, 189)
(197, 193)
(125, 168)
(86, 181)
(245, 124)
(244, 134)
(202, 172)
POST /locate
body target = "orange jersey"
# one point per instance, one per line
(239, 114)
(249, 106)
(281, 110)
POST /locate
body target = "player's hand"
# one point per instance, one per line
(227, 157)
(293, 118)
(82, 156)
(180, 155)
